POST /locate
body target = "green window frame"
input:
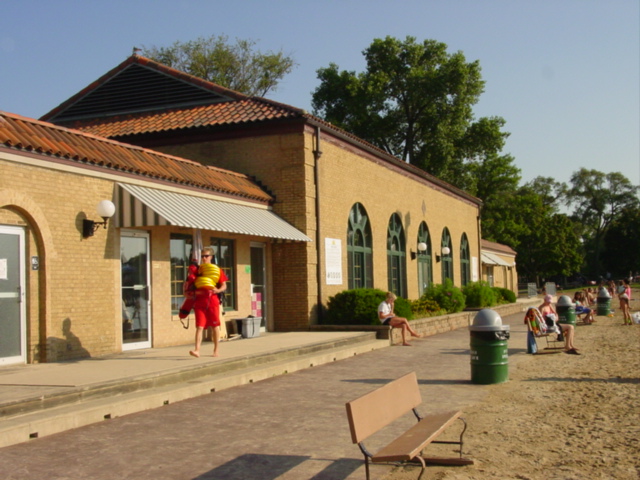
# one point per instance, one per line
(447, 260)
(465, 261)
(396, 257)
(425, 265)
(359, 248)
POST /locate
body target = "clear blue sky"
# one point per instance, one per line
(564, 74)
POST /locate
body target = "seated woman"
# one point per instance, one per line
(550, 315)
(388, 317)
(581, 309)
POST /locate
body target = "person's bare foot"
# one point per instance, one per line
(193, 353)
(216, 354)
(406, 344)
(416, 335)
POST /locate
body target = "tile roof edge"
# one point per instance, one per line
(127, 146)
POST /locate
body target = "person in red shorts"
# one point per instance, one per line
(210, 281)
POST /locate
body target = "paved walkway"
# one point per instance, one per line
(290, 426)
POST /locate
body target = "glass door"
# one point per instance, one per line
(136, 319)
(12, 296)
(258, 287)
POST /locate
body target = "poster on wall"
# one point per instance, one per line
(474, 269)
(333, 261)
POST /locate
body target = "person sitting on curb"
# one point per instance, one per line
(551, 316)
(388, 317)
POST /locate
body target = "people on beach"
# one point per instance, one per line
(624, 295)
(549, 313)
(209, 282)
(581, 309)
(388, 317)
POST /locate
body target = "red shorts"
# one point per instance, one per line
(207, 309)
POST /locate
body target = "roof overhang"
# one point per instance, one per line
(492, 259)
(138, 206)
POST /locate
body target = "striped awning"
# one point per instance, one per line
(138, 206)
(492, 259)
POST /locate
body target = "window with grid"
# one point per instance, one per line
(447, 260)
(224, 257)
(465, 264)
(396, 257)
(180, 253)
(359, 251)
(425, 268)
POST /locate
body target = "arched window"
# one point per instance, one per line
(465, 264)
(359, 251)
(396, 257)
(425, 268)
(446, 252)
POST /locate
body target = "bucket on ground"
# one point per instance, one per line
(604, 302)
(248, 327)
(489, 351)
(566, 310)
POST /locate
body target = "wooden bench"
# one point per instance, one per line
(379, 408)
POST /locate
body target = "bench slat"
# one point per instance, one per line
(413, 441)
(378, 408)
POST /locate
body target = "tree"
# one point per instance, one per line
(415, 102)
(600, 200)
(238, 67)
(621, 253)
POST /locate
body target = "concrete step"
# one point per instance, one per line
(50, 414)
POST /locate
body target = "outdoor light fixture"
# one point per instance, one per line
(422, 247)
(105, 209)
(445, 251)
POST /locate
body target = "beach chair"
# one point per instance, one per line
(537, 328)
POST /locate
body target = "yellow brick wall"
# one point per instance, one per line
(284, 164)
(75, 288)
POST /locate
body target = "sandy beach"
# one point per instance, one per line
(559, 416)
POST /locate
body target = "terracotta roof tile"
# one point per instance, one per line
(26, 134)
(216, 114)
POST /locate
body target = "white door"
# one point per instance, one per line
(12, 296)
(136, 317)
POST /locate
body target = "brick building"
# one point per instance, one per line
(358, 216)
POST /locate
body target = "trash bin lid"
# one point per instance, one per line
(487, 320)
(603, 293)
(565, 301)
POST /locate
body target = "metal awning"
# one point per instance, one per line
(492, 259)
(138, 206)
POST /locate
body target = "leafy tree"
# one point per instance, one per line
(235, 66)
(415, 102)
(621, 253)
(599, 200)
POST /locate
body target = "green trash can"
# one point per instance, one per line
(566, 310)
(489, 352)
(603, 302)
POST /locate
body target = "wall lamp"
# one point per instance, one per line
(422, 247)
(105, 209)
(445, 251)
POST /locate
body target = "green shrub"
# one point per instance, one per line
(360, 307)
(479, 295)
(450, 298)
(425, 307)
(504, 295)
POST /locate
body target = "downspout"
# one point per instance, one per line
(317, 153)
(479, 245)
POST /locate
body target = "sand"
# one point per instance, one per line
(559, 416)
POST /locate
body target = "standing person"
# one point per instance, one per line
(549, 312)
(210, 281)
(388, 317)
(624, 294)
